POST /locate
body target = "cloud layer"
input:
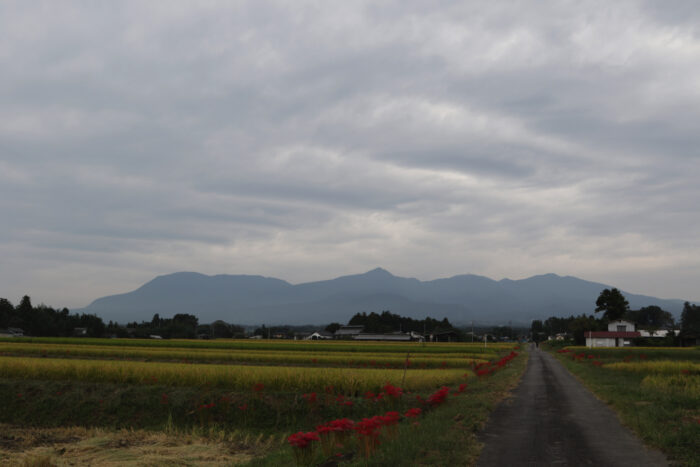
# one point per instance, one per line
(305, 140)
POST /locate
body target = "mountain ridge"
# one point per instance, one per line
(256, 299)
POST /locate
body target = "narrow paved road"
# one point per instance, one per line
(553, 420)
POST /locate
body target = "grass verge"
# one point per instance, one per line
(667, 420)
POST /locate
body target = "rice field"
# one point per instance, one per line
(230, 377)
(262, 357)
(264, 388)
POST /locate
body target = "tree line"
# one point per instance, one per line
(613, 306)
(44, 321)
(386, 322)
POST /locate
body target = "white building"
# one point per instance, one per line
(619, 334)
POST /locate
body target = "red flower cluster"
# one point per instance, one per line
(462, 387)
(206, 406)
(340, 400)
(392, 391)
(439, 396)
(301, 440)
(258, 387)
(390, 418)
(506, 359)
(412, 413)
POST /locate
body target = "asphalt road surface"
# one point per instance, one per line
(553, 420)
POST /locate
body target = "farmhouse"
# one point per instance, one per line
(318, 335)
(618, 334)
(348, 332)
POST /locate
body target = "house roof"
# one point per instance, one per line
(348, 330)
(613, 334)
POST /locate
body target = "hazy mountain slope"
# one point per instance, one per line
(255, 299)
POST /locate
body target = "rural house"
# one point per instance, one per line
(618, 334)
(348, 332)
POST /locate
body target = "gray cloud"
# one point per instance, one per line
(310, 139)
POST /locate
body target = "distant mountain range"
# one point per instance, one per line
(244, 299)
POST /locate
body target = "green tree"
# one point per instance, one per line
(613, 303)
(537, 331)
(221, 329)
(651, 318)
(690, 319)
(579, 325)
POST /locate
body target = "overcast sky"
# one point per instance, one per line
(307, 140)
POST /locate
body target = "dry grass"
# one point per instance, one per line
(79, 446)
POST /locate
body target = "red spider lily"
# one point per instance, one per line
(301, 439)
(483, 372)
(392, 391)
(19, 395)
(369, 426)
(369, 395)
(258, 387)
(243, 407)
(439, 396)
(164, 399)
(328, 389)
(390, 418)
(206, 406)
(368, 434)
(461, 388)
(412, 413)
(310, 398)
(420, 400)
(341, 424)
(591, 356)
(334, 433)
(302, 447)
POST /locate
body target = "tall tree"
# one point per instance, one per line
(537, 331)
(613, 303)
(690, 319)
